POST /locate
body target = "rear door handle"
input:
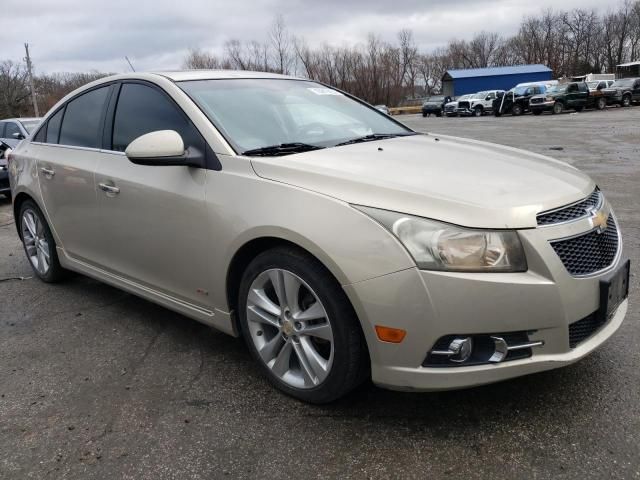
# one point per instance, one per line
(49, 172)
(109, 188)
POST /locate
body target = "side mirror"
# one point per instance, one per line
(162, 148)
(18, 136)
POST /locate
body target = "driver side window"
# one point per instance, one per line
(142, 109)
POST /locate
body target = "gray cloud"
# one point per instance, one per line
(74, 35)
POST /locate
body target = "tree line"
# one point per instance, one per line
(569, 42)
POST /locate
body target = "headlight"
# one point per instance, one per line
(442, 246)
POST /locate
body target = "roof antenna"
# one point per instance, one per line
(129, 62)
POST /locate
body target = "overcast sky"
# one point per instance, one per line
(74, 35)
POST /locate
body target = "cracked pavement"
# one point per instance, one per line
(97, 383)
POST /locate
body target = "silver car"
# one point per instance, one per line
(337, 242)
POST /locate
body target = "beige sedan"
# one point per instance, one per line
(339, 243)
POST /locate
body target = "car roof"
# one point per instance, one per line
(185, 75)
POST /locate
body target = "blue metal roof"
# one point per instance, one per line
(493, 71)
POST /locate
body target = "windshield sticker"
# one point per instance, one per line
(324, 91)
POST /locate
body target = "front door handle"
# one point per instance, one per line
(110, 189)
(48, 172)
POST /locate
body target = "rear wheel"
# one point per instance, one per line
(601, 103)
(516, 109)
(300, 327)
(39, 244)
(558, 108)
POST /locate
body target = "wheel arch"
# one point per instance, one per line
(18, 200)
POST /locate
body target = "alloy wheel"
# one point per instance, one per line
(35, 241)
(290, 329)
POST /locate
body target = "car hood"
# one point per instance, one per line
(465, 182)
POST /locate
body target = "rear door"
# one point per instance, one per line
(152, 227)
(636, 90)
(67, 154)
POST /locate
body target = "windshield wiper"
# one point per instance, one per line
(281, 149)
(371, 137)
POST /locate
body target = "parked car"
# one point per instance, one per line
(383, 109)
(435, 105)
(479, 103)
(597, 85)
(296, 216)
(5, 188)
(567, 96)
(623, 92)
(13, 130)
(516, 100)
(450, 108)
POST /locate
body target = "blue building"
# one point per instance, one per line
(460, 82)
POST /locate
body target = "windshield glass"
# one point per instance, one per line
(625, 82)
(557, 89)
(438, 99)
(30, 125)
(480, 95)
(464, 97)
(257, 113)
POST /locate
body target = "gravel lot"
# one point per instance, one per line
(96, 383)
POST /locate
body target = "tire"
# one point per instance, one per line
(536, 112)
(516, 109)
(37, 239)
(558, 108)
(477, 112)
(601, 103)
(269, 328)
(626, 101)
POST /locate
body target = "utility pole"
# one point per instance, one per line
(33, 90)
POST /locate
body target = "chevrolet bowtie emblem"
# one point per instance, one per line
(598, 219)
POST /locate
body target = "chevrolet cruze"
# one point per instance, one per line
(340, 244)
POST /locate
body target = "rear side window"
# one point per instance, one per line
(142, 109)
(83, 119)
(53, 127)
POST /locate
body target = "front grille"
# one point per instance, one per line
(450, 108)
(589, 253)
(570, 212)
(582, 329)
(463, 104)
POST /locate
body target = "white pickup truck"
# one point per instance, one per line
(479, 103)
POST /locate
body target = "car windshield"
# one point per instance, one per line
(557, 89)
(464, 97)
(30, 125)
(625, 82)
(480, 95)
(254, 114)
(438, 99)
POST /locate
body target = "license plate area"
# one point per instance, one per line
(614, 289)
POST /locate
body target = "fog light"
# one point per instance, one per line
(459, 351)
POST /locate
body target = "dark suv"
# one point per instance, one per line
(574, 95)
(623, 92)
(516, 100)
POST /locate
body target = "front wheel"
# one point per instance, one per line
(39, 244)
(477, 112)
(601, 104)
(300, 327)
(516, 110)
(558, 107)
(626, 101)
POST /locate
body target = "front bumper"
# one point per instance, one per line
(543, 301)
(542, 106)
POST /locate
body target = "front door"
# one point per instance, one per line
(153, 216)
